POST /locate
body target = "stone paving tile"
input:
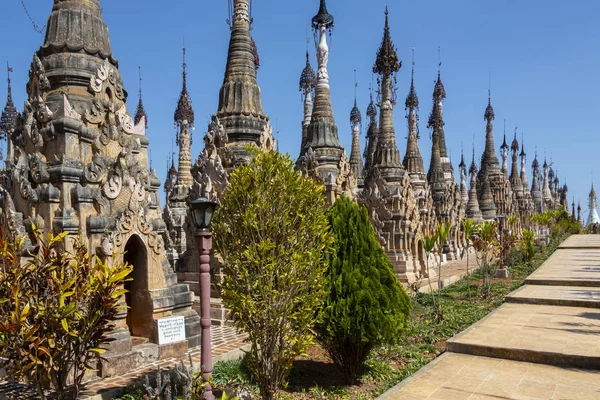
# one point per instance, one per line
(569, 267)
(461, 376)
(581, 242)
(556, 295)
(521, 328)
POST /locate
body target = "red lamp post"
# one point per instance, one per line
(202, 213)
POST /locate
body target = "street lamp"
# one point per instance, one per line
(202, 213)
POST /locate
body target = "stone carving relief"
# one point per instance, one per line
(210, 175)
(266, 140)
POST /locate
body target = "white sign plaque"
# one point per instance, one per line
(170, 330)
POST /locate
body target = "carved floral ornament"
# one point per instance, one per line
(134, 220)
(210, 175)
(129, 223)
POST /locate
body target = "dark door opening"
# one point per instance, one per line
(139, 301)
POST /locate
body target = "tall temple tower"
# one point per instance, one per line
(8, 121)
(593, 217)
(387, 156)
(80, 166)
(240, 109)
(180, 180)
(308, 82)
(547, 196)
(491, 172)
(445, 192)
(413, 160)
(388, 193)
(372, 136)
(356, 162)
(323, 157)
(239, 121)
(536, 191)
(472, 209)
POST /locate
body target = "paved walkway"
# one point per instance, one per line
(544, 343)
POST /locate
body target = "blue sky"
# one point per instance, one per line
(542, 55)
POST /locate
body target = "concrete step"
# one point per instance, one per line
(569, 296)
(581, 242)
(544, 334)
(460, 376)
(569, 267)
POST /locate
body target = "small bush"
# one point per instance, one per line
(233, 372)
(56, 311)
(366, 305)
(272, 233)
(135, 393)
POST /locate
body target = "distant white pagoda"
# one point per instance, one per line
(593, 206)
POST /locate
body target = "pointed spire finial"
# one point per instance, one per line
(184, 110)
(387, 61)
(412, 75)
(323, 18)
(8, 121)
(140, 79)
(355, 86)
(371, 109)
(489, 111)
(140, 112)
(439, 61)
(412, 100)
(184, 66)
(355, 116)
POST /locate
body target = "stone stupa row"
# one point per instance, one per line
(405, 201)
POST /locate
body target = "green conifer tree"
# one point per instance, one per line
(366, 305)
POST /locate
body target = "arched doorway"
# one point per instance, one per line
(139, 301)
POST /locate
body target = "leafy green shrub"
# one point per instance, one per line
(135, 393)
(378, 370)
(528, 244)
(366, 305)
(56, 310)
(272, 233)
(232, 372)
(485, 242)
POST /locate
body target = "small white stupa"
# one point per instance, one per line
(593, 206)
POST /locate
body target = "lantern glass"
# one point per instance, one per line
(202, 213)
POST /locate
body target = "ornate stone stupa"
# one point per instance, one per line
(80, 165)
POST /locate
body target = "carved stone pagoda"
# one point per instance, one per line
(80, 165)
(180, 180)
(388, 193)
(472, 209)
(445, 192)
(490, 174)
(414, 166)
(356, 162)
(536, 191)
(8, 122)
(322, 156)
